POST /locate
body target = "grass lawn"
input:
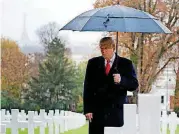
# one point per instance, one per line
(36, 131)
(82, 130)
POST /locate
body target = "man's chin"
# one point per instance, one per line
(104, 56)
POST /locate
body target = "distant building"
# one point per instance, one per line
(165, 87)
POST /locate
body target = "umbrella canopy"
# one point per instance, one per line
(116, 18)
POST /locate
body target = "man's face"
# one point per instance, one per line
(107, 52)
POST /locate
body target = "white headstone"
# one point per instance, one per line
(113, 130)
(150, 113)
(14, 121)
(164, 122)
(3, 128)
(30, 122)
(172, 122)
(129, 119)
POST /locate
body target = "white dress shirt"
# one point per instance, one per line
(111, 60)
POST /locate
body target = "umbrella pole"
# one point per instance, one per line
(116, 42)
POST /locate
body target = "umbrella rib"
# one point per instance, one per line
(117, 17)
(89, 18)
(156, 23)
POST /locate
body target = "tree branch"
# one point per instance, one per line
(172, 58)
(145, 8)
(140, 7)
(130, 48)
(171, 16)
(154, 7)
(149, 63)
(174, 22)
(174, 43)
(170, 46)
(150, 6)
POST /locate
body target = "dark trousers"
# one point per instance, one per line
(95, 128)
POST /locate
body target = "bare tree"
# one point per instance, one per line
(47, 33)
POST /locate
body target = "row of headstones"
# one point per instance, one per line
(169, 122)
(148, 119)
(56, 122)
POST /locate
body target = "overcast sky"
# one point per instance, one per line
(40, 12)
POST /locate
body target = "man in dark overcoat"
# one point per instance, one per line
(108, 78)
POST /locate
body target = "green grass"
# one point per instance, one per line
(25, 131)
(82, 130)
(177, 131)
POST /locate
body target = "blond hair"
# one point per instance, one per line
(107, 42)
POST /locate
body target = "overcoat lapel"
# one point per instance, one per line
(102, 65)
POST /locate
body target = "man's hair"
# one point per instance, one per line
(107, 41)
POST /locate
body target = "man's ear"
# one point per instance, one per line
(114, 49)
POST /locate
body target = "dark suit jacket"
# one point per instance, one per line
(102, 96)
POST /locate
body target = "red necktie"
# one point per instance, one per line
(107, 69)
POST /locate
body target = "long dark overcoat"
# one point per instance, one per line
(102, 96)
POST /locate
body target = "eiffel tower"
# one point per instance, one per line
(25, 41)
(27, 45)
(24, 36)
